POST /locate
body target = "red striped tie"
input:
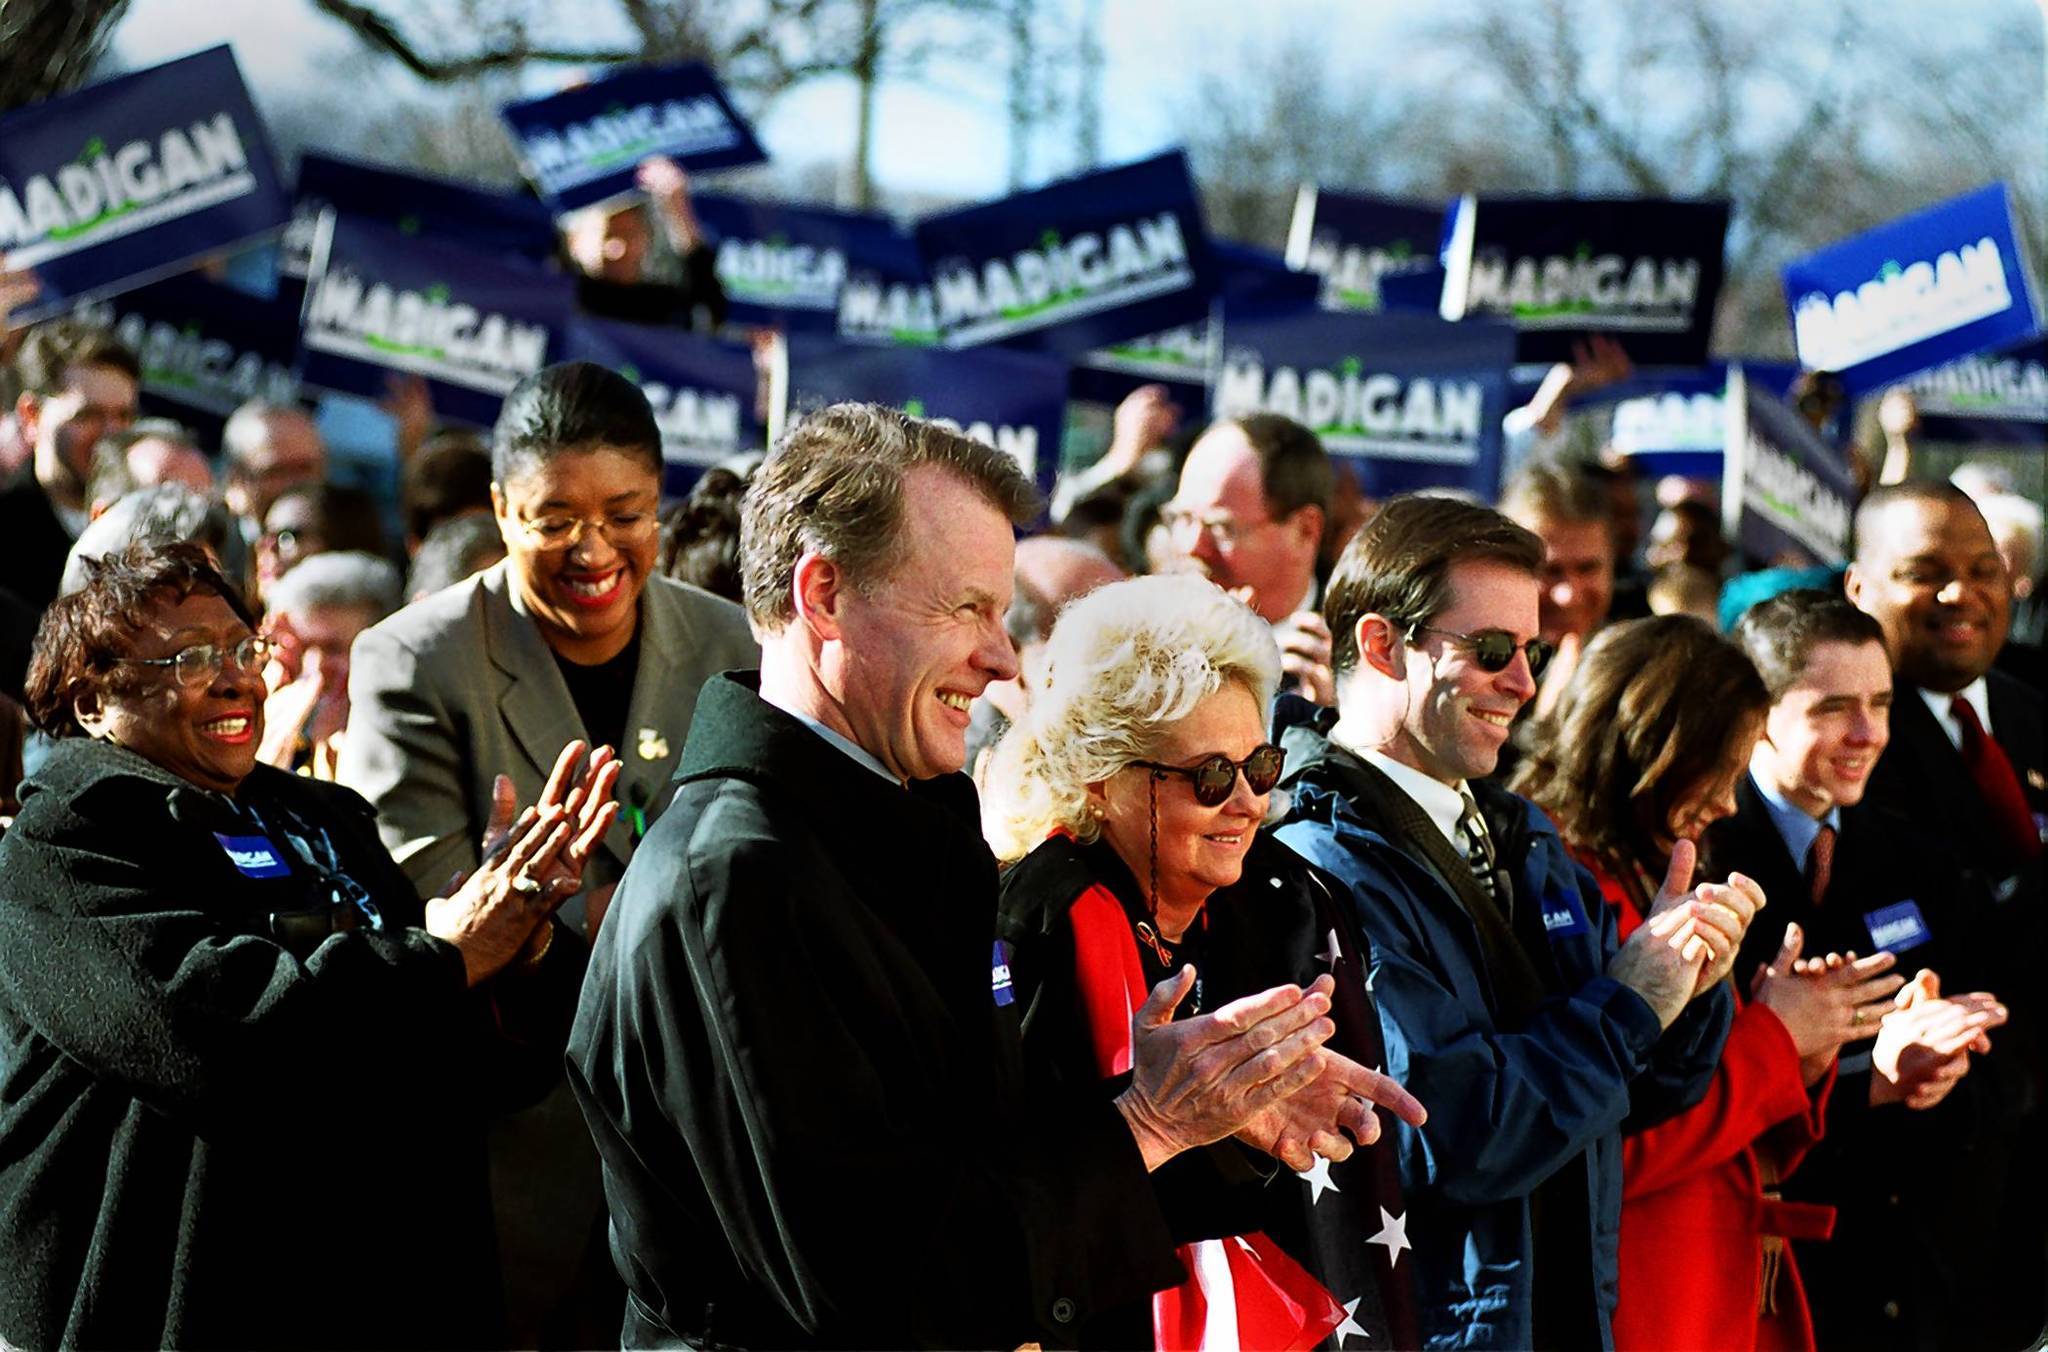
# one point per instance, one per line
(1996, 782)
(1820, 862)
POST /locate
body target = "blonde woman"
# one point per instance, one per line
(1132, 797)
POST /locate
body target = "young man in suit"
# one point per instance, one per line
(1917, 1172)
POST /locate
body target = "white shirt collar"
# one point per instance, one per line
(1440, 802)
(1978, 692)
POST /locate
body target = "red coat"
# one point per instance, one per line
(1695, 1211)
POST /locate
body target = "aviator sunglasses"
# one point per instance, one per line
(1215, 776)
(1493, 649)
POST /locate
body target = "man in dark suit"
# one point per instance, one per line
(1918, 1173)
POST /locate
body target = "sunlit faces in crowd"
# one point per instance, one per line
(1219, 520)
(1578, 576)
(203, 728)
(1712, 799)
(608, 244)
(917, 646)
(1824, 735)
(1929, 573)
(1457, 714)
(269, 450)
(1200, 848)
(64, 427)
(581, 538)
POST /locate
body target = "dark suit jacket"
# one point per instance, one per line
(1917, 1246)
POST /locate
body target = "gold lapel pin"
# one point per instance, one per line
(2037, 781)
(652, 746)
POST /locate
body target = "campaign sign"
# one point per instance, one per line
(1352, 240)
(1074, 266)
(1998, 397)
(1645, 272)
(1186, 355)
(1672, 420)
(381, 302)
(785, 267)
(1014, 401)
(133, 178)
(413, 204)
(205, 348)
(702, 390)
(887, 295)
(582, 145)
(1941, 283)
(1414, 400)
(1786, 492)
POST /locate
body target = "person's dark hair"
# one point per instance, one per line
(572, 406)
(835, 485)
(1872, 509)
(1657, 708)
(1779, 633)
(1399, 564)
(1294, 468)
(1141, 514)
(451, 475)
(702, 535)
(52, 348)
(344, 517)
(84, 634)
(452, 551)
(110, 477)
(1549, 489)
(159, 515)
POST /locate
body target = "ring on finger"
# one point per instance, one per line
(531, 887)
(1857, 1017)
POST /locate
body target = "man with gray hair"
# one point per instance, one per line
(797, 1056)
(152, 451)
(268, 447)
(314, 613)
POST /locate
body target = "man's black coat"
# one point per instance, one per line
(810, 1107)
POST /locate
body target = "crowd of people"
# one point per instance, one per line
(858, 906)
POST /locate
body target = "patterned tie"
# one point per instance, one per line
(1996, 783)
(1820, 862)
(1478, 848)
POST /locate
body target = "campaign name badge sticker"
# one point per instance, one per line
(1897, 927)
(1562, 915)
(253, 856)
(999, 976)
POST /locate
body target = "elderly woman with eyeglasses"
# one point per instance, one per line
(244, 1067)
(1133, 795)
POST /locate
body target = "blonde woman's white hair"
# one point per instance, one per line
(1123, 663)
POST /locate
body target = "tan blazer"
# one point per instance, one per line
(460, 687)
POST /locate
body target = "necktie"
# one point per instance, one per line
(1820, 863)
(1479, 850)
(1996, 783)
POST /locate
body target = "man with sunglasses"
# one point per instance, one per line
(1508, 1003)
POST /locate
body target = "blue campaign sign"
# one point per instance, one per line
(1997, 397)
(1074, 266)
(1351, 241)
(785, 267)
(1014, 401)
(1644, 272)
(413, 204)
(1941, 283)
(1787, 494)
(134, 178)
(582, 145)
(381, 302)
(1185, 356)
(205, 348)
(1414, 400)
(702, 390)
(887, 295)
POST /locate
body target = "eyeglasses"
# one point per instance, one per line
(1494, 649)
(1215, 777)
(1986, 572)
(200, 663)
(1226, 531)
(621, 530)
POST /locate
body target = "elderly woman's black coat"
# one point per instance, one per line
(214, 1136)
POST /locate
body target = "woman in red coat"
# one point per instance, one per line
(1644, 750)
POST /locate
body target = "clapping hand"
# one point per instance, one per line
(1313, 1122)
(1924, 1045)
(1825, 1002)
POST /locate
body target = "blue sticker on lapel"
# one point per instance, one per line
(1562, 916)
(1897, 928)
(255, 856)
(999, 976)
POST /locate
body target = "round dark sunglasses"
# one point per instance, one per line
(1214, 777)
(1493, 649)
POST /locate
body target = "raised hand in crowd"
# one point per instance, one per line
(532, 863)
(1145, 419)
(668, 187)
(18, 286)
(1825, 1002)
(1665, 960)
(1198, 1080)
(1924, 1045)
(1597, 362)
(411, 405)
(1304, 639)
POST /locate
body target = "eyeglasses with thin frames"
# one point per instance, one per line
(621, 530)
(202, 662)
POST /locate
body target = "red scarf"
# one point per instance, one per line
(1241, 1292)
